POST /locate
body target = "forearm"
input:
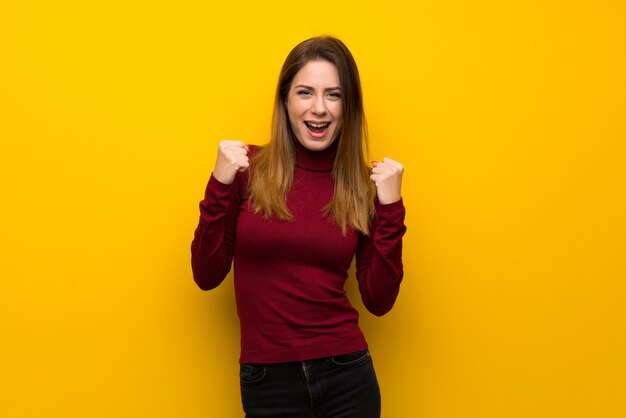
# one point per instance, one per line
(214, 238)
(379, 259)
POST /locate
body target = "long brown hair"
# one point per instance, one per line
(273, 166)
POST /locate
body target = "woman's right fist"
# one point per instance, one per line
(232, 156)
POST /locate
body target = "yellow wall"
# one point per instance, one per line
(509, 118)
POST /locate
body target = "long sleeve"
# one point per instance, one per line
(213, 245)
(379, 267)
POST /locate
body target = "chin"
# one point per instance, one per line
(316, 144)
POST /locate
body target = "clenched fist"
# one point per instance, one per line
(232, 156)
(387, 177)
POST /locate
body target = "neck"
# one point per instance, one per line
(323, 160)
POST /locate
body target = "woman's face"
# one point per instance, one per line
(314, 105)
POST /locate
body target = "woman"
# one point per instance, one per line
(293, 215)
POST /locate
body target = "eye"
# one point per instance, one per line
(303, 92)
(335, 95)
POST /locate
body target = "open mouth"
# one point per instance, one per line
(317, 128)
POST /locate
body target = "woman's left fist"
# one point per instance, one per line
(387, 177)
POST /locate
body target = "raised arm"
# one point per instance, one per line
(379, 267)
(213, 245)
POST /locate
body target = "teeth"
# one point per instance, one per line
(317, 125)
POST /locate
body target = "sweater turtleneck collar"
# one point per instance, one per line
(323, 160)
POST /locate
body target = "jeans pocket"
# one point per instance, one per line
(351, 359)
(250, 374)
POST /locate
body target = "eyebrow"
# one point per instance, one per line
(311, 88)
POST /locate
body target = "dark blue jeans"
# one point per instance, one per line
(343, 386)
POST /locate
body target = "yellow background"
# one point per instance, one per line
(509, 118)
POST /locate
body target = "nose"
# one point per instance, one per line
(318, 106)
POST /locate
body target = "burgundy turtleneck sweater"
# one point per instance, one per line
(289, 276)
